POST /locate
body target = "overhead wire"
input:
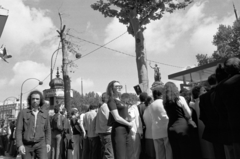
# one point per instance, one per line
(48, 74)
(103, 46)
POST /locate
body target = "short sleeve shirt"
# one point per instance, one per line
(114, 104)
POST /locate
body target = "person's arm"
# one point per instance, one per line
(187, 111)
(182, 103)
(48, 133)
(19, 129)
(113, 109)
(82, 127)
(119, 119)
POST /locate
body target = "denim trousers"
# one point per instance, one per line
(37, 150)
(120, 142)
(106, 146)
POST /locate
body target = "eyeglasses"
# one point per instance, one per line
(118, 86)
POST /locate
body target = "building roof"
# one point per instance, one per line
(196, 74)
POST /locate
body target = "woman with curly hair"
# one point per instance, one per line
(180, 123)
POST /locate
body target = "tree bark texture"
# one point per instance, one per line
(141, 59)
(66, 79)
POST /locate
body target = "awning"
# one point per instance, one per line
(196, 74)
(3, 19)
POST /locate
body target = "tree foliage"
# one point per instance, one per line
(227, 40)
(146, 10)
(82, 102)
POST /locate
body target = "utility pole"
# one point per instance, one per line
(66, 78)
(235, 11)
(81, 86)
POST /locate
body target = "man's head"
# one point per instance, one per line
(212, 80)
(35, 99)
(157, 93)
(232, 65)
(143, 96)
(57, 109)
(105, 97)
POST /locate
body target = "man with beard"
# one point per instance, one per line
(33, 132)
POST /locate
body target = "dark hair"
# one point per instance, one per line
(105, 97)
(186, 94)
(57, 108)
(212, 79)
(30, 97)
(93, 106)
(232, 65)
(220, 73)
(127, 96)
(143, 96)
(148, 101)
(171, 93)
(63, 111)
(157, 94)
(196, 91)
(109, 90)
(74, 112)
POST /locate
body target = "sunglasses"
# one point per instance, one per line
(118, 86)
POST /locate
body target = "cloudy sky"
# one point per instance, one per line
(30, 37)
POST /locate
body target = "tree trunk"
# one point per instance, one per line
(66, 79)
(141, 59)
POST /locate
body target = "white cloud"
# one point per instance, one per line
(202, 37)
(87, 84)
(29, 69)
(3, 82)
(26, 27)
(163, 35)
(159, 35)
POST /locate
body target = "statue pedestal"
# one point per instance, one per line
(157, 85)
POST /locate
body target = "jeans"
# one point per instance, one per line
(106, 150)
(120, 142)
(37, 150)
(56, 148)
(94, 147)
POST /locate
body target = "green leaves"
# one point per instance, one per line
(147, 10)
(227, 40)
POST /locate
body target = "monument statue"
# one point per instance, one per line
(157, 74)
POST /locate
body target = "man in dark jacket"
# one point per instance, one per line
(231, 96)
(33, 132)
(209, 116)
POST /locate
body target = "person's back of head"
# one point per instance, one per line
(56, 108)
(196, 91)
(143, 96)
(105, 97)
(212, 80)
(148, 101)
(220, 73)
(157, 94)
(232, 65)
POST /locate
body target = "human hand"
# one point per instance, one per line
(22, 150)
(48, 148)
(130, 125)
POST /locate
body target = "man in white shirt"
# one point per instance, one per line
(159, 126)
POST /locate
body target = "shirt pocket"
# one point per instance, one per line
(43, 119)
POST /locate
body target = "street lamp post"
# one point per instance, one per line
(51, 71)
(40, 83)
(4, 104)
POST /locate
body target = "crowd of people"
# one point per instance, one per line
(200, 123)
